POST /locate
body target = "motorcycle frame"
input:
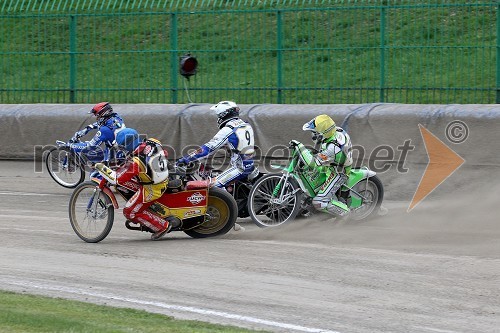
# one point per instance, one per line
(188, 222)
(356, 176)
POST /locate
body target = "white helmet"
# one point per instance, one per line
(225, 111)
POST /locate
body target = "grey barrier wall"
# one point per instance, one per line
(386, 137)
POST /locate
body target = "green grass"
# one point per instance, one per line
(433, 54)
(27, 313)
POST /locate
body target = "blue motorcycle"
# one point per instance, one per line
(68, 167)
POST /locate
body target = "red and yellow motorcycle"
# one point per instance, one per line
(202, 211)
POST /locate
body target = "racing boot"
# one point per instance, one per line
(159, 234)
(158, 225)
(171, 222)
(333, 207)
(338, 208)
(238, 227)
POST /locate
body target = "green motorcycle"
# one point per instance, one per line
(276, 199)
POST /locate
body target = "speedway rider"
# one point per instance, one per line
(149, 167)
(334, 160)
(111, 130)
(233, 133)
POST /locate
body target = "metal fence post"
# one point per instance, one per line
(279, 55)
(415, 56)
(72, 59)
(173, 57)
(497, 100)
(382, 54)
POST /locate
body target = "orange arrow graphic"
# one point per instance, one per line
(442, 163)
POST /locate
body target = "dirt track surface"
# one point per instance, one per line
(436, 269)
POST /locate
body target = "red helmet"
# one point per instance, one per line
(149, 147)
(102, 111)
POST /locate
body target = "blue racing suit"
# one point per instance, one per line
(111, 132)
(239, 137)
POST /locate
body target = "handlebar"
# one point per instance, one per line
(71, 140)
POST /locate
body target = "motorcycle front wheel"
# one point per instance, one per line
(62, 165)
(267, 210)
(91, 212)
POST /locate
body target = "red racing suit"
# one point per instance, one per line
(151, 173)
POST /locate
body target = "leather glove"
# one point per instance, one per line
(182, 161)
(81, 133)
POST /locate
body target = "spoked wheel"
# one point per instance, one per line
(91, 212)
(373, 193)
(268, 210)
(63, 167)
(221, 214)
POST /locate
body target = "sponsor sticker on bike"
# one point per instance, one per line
(192, 212)
(196, 198)
(327, 182)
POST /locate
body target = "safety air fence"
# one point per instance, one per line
(250, 51)
(398, 141)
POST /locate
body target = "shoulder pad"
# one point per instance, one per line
(233, 123)
(225, 129)
(140, 163)
(105, 130)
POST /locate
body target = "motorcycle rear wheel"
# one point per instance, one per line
(222, 212)
(91, 213)
(63, 167)
(265, 213)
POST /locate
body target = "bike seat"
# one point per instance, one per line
(197, 184)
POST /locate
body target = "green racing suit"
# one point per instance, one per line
(333, 162)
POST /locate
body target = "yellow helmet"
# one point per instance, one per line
(153, 141)
(322, 126)
(148, 147)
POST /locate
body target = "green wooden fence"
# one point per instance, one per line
(301, 51)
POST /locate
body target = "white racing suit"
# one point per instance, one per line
(238, 136)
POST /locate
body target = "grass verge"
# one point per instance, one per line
(29, 313)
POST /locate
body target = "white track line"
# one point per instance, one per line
(33, 194)
(432, 329)
(202, 311)
(33, 217)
